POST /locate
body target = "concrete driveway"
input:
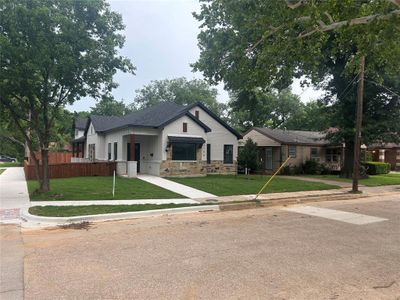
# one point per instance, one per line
(252, 254)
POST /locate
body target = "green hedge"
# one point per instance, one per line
(375, 168)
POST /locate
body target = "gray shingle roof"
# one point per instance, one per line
(294, 136)
(154, 117)
(80, 123)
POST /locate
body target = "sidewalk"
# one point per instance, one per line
(175, 187)
(342, 184)
(13, 194)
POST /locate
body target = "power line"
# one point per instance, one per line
(351, 82)
(382, 86)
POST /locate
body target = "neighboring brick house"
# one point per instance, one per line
(164, 140)
(389, 153)
(275, 145)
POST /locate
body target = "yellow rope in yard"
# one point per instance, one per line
(273, 175)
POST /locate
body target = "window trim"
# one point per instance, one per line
(185, 127)
(197, 114)
(209, 153)
(230, 161)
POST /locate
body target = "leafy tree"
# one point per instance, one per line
(108, 106)
(248, 155)
(178, 90)
(54, 52)
(262, 44)
(272, 109)
(314, 115)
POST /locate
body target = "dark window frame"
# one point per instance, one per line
(228, 154)
(184, 152)
(115, 150)
(185, 127)
(208, 153)
(109, 151)
(197, 114)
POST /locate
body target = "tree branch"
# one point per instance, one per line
(357, 21)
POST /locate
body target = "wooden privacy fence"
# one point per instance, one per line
(54, 157)
(74, 170)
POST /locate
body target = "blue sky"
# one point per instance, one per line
(161, 41)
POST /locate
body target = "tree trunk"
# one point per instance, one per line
(347, 169)
(45, 182)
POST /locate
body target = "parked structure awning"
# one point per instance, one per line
(186, 140)
(79, 140)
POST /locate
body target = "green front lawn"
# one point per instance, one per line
(99, 188)
(227, 185)
(2, 170)
(10, 164)
(71, 211)
(373, 180)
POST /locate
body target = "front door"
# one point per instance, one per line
(268, 158)
(137, 156)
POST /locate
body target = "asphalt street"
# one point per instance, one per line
(265, 253)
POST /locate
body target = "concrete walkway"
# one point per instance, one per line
(113, 202)
(342, 184)
(175, 187)
(13, 194)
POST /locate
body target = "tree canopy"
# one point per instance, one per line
(54, 52)
(178, 90)
(265, 44)
(108, 106)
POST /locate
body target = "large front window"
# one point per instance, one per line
(184, 151)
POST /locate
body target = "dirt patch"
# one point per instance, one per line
(77, 226)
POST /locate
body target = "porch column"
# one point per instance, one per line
(132, 149)
(73, 149)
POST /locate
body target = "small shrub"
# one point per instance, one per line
(312, 167)
(287, 170)
(375, 168)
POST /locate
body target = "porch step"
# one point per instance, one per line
(175, 187)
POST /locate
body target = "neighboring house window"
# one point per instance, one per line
(228, 154)
(332, 155)
(91, 129)
(184, 151)
(208, 153)
(115, 151)
(76, 132)
(109, 151)
(184, 127)
(292, 150)
(314, 154)
(197, 114)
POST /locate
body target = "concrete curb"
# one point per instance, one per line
(39, 220)
(286, 201)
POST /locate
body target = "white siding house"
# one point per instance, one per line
(163, 140)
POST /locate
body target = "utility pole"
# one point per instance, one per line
(359, 114)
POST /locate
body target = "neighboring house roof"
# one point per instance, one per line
(299, 137)
(384, 146)
(79, 139)
(156, 116)
(80, 123)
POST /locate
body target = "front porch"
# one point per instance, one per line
(141, 154)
